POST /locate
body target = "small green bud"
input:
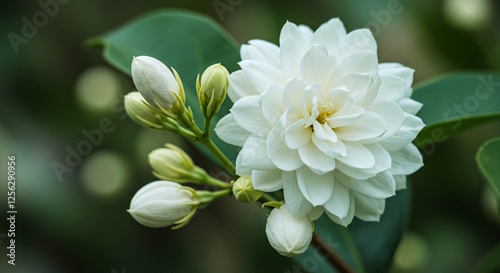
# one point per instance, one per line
(244, 192)
(141, 112)
(172, 163)
(213, 88)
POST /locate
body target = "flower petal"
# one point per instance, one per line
(317, 189)
(290, 31)
(315, 159)
(293, 91)
(363, 62)
(228, 130)
(347, 117)
(355, 41)
(248, 115)
(315, 213)
(339, 202)
(317, 66)
(368, 209)
(324, 132)
(271, 104)
(398, 70)
(290, 56)
(358, 156)
(369, 125)
(260, 75)
(410, 106)
(383, 162)
(333, 149)
(407, 133)
(239, 86)
(406, 161)
(345, 221)
(267, 181)
(326, 35)
(391, 88)
(295, 201)
(296, 135)
(393, 117)
(262, 51)
(400, 182)
(283, 157)
(380, 186)
(253, 155)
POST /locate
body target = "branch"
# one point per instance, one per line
(333, 258)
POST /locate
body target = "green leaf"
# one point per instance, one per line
(488, 160)
(455, 103)
(186, 41)
(377, 241)
(366, 246)
(490, 262)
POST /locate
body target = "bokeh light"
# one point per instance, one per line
(104, 173)
(97, 88)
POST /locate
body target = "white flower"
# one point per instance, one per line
(162, 204)
(155, 82)
(319, 118)
(288, 234)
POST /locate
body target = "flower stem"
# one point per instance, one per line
(216, 182)
(266, 197)
(332, 257)
(206, 127)
(210, 145)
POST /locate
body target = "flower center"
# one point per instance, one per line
(325, 111)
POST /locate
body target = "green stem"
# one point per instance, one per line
(206, 128)
(221, 193)
(266, 197)
(216, 182)
(205, 198)
(210, 145)
(187, 133)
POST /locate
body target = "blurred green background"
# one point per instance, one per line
(54, 92)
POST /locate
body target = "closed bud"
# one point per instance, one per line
(287, 234)
(156, 83)
(213, 88)
(141, 112)
(244, 192)
(172, 163)
(163, 204)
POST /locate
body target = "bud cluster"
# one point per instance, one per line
(159, 104)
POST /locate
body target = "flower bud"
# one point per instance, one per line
(172, 163)
(162, 204)
(155, 82)
(213, 88)
(244, 192)
(141, 112)
(287, 234)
